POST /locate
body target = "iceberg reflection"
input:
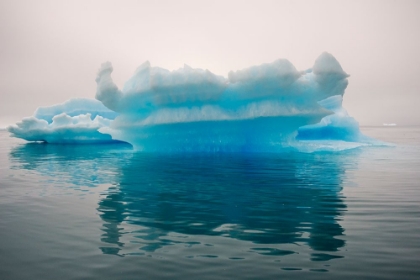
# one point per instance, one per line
(78, 165)
(267, 200)
(273, 204)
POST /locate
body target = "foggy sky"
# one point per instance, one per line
(50, 51)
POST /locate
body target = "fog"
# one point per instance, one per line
(50, 51)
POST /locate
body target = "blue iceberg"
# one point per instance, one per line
(265, 108)
(337, 126)
(76, 121)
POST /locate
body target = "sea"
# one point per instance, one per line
(107, 212)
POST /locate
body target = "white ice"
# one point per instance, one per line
(74, 121)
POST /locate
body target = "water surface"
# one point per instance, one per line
(104, 211)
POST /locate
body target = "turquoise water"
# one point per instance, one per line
(105, 212)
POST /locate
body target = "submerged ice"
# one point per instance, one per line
(268, 107)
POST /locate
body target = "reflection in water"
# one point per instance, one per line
(157, 202)
(78, 165)
(266, 199)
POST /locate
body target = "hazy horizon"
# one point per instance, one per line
(51, 50)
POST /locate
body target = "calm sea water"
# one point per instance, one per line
(105, 212)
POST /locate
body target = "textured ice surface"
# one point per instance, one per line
(75, 107)
(269, 107)
(256, 109)
(75, 121)
(338, 126)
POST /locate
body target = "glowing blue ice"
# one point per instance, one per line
(338, 126)
(268, 107)
(256, 109)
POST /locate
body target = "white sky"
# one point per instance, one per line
(50, 50)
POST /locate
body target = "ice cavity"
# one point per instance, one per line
(74, 121)
(259, 108)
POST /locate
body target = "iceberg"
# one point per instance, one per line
(258, 109)
(265, 108)
(75, 121)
